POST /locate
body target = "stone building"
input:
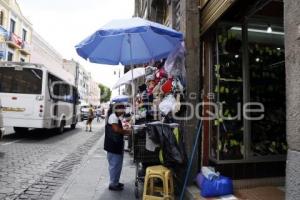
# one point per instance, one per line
(94, 93)
(243, 64)
(292, 52)
(15, 33)
(88, 89)
(81, 78)
(241, 52)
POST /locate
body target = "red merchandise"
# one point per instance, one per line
(167, 86)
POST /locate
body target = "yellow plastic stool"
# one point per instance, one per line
(152, 192)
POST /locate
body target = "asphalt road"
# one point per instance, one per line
(35, 165)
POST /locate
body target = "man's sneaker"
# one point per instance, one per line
(121, 185)
(115, 188)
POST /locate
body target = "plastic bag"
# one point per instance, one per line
(150, 73)
(172, 152)
(215, 187)
(199, 180)
(175, 64)
(168, 105)
(209, 173)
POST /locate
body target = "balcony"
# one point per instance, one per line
(25, 48)
(14, 41)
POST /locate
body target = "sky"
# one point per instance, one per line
(65, 23)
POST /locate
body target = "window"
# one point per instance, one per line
(249, 68)
(12, 25)
(60, 90)
(24, 34)
(227, 140)
(10, 56)
(20, 80)
(22, 60)
(267, 86)
(51, 82)
(1, 17)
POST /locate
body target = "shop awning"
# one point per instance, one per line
(212, 11)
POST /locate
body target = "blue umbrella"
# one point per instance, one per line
(120, 99)
(129, 41)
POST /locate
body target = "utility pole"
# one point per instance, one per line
(119, 78)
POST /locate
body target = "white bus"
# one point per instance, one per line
(34, 97)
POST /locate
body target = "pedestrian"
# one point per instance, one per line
(114, 144)
(90, 119)
(98, 113)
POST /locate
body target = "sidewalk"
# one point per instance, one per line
(90, 180)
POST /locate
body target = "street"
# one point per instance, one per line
(38, 164)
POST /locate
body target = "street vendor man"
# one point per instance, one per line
(114, 144)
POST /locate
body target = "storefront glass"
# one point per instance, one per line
(267, 86)
(227, 141)
(248, 67)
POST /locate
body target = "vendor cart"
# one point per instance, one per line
(143, 157)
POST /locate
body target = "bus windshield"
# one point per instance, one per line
(21, 80)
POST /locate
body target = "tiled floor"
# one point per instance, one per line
(259, 193)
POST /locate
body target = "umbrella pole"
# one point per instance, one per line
(132, 83)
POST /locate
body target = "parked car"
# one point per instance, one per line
(2, 130)
(84, 112)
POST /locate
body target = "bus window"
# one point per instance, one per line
(60, 90)
(21, 81)
(53, 88)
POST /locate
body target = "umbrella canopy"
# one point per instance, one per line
(120, 99)
(130, 75)
(129, 41)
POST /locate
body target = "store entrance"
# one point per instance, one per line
(249, 68)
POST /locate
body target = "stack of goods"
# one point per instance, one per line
(157, 101)
(163, 89)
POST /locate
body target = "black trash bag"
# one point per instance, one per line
(153, 134)
(162, 134)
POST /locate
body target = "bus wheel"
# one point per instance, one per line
(61, 127)
(73, 126)
(20, 130)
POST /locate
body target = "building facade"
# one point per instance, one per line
(88, 89)
(15, 33)
(43, 53)
(244, 65)
(292, 62)
(245, 55)
(94, 93)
